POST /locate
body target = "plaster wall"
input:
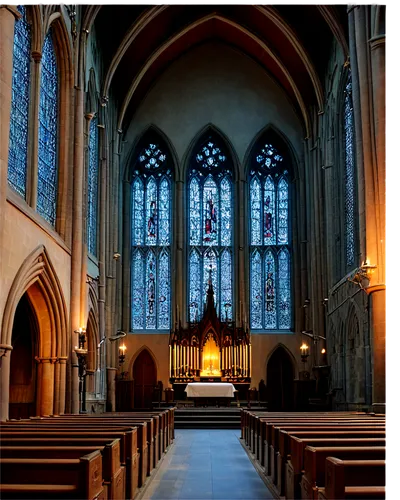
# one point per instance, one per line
(22, 236)
(215, 84)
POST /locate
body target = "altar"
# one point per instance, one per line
(211, 393)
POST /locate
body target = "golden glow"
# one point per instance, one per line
(323, 351)
(304, 348)
(122, 348)
(210, 359)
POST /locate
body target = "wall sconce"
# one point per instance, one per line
(122, 350)
(362, 275)
(81, 353)
(304, 353)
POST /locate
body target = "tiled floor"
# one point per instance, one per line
(206, 464)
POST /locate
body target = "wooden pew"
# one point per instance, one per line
(295, 465)
(315, 464)
(127, 435)
(279, 451)
(271, 435)
(145, 435)
(113, 474)
(40, 478)
(352, 478)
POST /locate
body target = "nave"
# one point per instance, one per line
(206, 464)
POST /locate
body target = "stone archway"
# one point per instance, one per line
(280, 376)
(23, 368)
(144, 373)
(37, 280)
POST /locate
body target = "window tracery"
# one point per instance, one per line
(93, 185)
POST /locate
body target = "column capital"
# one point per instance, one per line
(51, 360)
(13, 9)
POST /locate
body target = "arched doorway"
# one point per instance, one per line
(23, 367)
(280, 376)
(145, 378)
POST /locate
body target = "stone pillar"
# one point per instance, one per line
(8, 14)
(180, 311)
(57, 377)
(63, 382)
(46, 381)
(5, 361)
(368, 57)
(111, 375)
(77, 242)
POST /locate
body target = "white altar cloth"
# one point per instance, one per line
(210, 389)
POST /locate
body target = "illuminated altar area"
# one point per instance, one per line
(210, 351)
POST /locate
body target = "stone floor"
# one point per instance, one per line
(206, 464)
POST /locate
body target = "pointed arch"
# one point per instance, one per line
(210, 130)
(37, 267)
(287, 351)
(150, 176)
(151, 133)
(144, 347)
(268, 166)
(273, 135)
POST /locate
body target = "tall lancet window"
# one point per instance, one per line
(93, 187)
(270, 258)
(350, 188)
(18, 145)
(151, 238)
(210, 229)
(48, 133)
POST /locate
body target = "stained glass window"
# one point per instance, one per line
(48, 131)
(93, 185)
(269, 232)
(151, 239)
(18, 144)
(349, 174)
(210, 230)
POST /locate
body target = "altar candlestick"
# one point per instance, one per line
(170, 361)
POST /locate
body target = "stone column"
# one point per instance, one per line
(63, 382)
(368, 58)
(5, 379)
(77, 242)
(8, 14)
(47, 386)
(180, 311)
(57, 377)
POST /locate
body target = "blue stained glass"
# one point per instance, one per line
(93, 184)
(255, 212)
(151, 230)
(210, 212)
(210, 229)
(195, 301)
(210, 263)
(226, 285)
(18, 142)
(270, 291)
(268, 157)
(138, 296)
(195, 212)
(137, 212)
(283, 212)
(48, 125)
(210, 157)
(270, 286)
(151, 292)
(164, 280)
(284, 301)
(151, 212)
(226, 212)
(256, 307)
(164, 228)
(269, 212)
(349, 174)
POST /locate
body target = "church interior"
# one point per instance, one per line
(192, 197)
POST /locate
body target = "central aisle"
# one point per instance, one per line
(207, 464)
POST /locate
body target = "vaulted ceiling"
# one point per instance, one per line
(292, 43)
